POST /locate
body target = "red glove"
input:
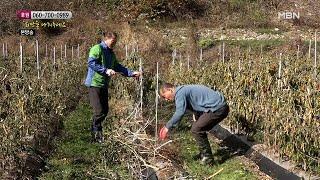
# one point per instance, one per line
(163, 133)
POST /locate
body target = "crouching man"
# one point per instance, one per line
(209, 108)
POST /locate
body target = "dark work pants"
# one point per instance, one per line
(99, 102)
(205, 121)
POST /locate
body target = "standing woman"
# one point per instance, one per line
(102, 65)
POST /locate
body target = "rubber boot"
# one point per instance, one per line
(206, 156)
(197, 156)
(96, 133)
(97, 136)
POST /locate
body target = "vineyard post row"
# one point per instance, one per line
(37, 55)
(221, 54)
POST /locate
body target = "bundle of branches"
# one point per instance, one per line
(133, 133)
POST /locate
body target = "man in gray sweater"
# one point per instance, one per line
(209, 107)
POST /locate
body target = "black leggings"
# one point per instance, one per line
(99, 102)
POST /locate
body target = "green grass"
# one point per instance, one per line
(256, 44)
(205, 43)
(268, 31)
(233, 167)
(76, 157)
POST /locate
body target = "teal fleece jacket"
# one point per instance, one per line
(196, 98)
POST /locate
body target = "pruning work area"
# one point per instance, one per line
(160, 90)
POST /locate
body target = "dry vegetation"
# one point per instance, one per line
(31, 110)
(280, 110)
(284, 115)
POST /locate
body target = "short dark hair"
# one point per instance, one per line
(109, 35)
(165, 86)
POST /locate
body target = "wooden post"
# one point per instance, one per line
(37, 55)
(279, 73)
(35, 50)
(298, 51)
(3, 51)
(261, 51)
(6, 49)
(126, 49)
(249, 53)
(157, 88)
(188, 61)
(141, 86)
(133, 50)
(280, 65)
(61, 53)
(65, 51)
(46, 51)
(223, 54)
(315, 54)
(239, 62)
(78, 49)
(309, 54)
(21, 58)
(71, 52)
(174, 54)
(180, 59)
(54, 55)
(220, 52)
(200, 54)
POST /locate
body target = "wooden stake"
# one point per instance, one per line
(126, 49)
(61, 51)
(200, 54)
(174, 54)
(315, 54)
(220, 52)
(261, 51)
(65, 51)
(309, 54)
(280, 65)
(46, 51)
(180, 58)
(3, 51)
(78, 49)
(21, 58)
(239, 64)
(141, 86)
(71, 52)
(239, 55)
(133, 49)
(223, 45)
(6, 49)
(298, 51)
(279, 73)
(157, 87)
(188, 62)
(37, 55)
(54, 55)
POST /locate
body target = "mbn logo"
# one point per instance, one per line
(288, 15)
